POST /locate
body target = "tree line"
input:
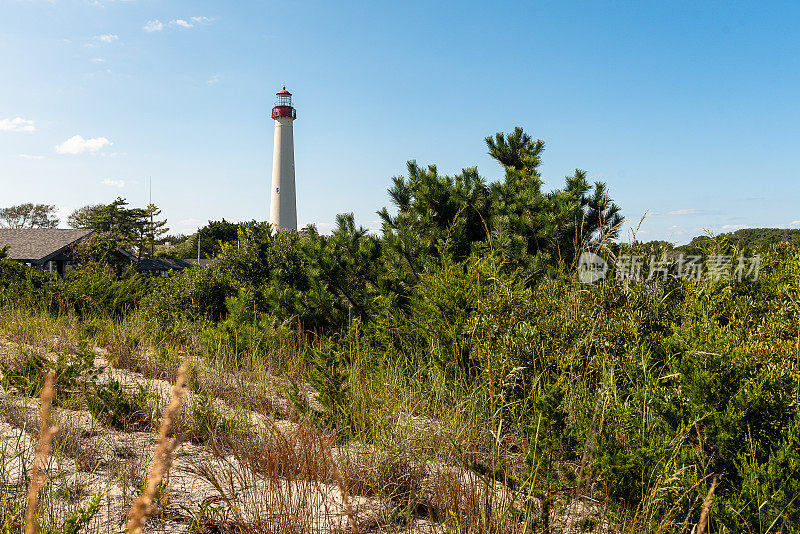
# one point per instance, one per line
(433, 213)
(116, 226)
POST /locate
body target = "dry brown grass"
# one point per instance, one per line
(288, 477)
(125, 352)
(43, 448)
(234, 384)
(162, 459)
(701, 525)
(75, 442)
(18, 415)
(274, 482)
(293, 478)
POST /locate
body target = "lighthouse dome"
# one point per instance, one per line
(283, 105)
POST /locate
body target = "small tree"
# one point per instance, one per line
(533, 230)
(116, 226)
(212, 237)
(153, 233)
(81, 216)
(29, 215)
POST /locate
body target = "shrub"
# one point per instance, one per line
(20, 284)
(27, 374)
(769, 493)
(202, 423)
(96, 289)
(111, 405)
(329, 377)
(446, 308)
(197, 293)
(240, 331)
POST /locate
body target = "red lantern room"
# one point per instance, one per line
(283, 105)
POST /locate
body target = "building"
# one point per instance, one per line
(51, 249)
(163, 266)
(283, 207)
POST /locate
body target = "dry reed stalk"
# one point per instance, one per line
(351, 520)
(43, 448)
(162, 457)
(701, 525)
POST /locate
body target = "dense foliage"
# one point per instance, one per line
(118, 227)
(643, 392)
(748, 237)
(94, 289)
(29, 215)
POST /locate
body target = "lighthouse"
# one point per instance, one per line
(283, 207)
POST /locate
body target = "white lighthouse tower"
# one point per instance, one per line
(283, 207)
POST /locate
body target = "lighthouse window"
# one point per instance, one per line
(284, 100)
(277, 189)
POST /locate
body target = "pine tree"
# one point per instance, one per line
(532, 230)
(153, 233)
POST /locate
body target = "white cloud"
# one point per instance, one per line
(734, 226)
(795, 223)
(156, 25)
(29, 156)
(17, 124)
(213, 80)
(153, 26)
(104, 38)
(677, 230)
(98, 3)
(79, 145)
(98, 60)
(192, 22)
(114, 183)
(691, 211)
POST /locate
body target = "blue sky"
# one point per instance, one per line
(688, 110)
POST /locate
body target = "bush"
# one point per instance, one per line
(27, 374)
(20, 284)
(240, 331)
(194, 294)
(111, 405)
(329, 377)
(201, 423)
(92, 289)
(769, 493)
(96, 289)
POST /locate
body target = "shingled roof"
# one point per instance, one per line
(167, 264)
(38, 245)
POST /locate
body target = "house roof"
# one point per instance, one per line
(166, 264)
(37, 245)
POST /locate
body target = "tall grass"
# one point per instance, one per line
(488, 405)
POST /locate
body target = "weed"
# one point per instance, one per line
(110, 404)
(26, 374)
